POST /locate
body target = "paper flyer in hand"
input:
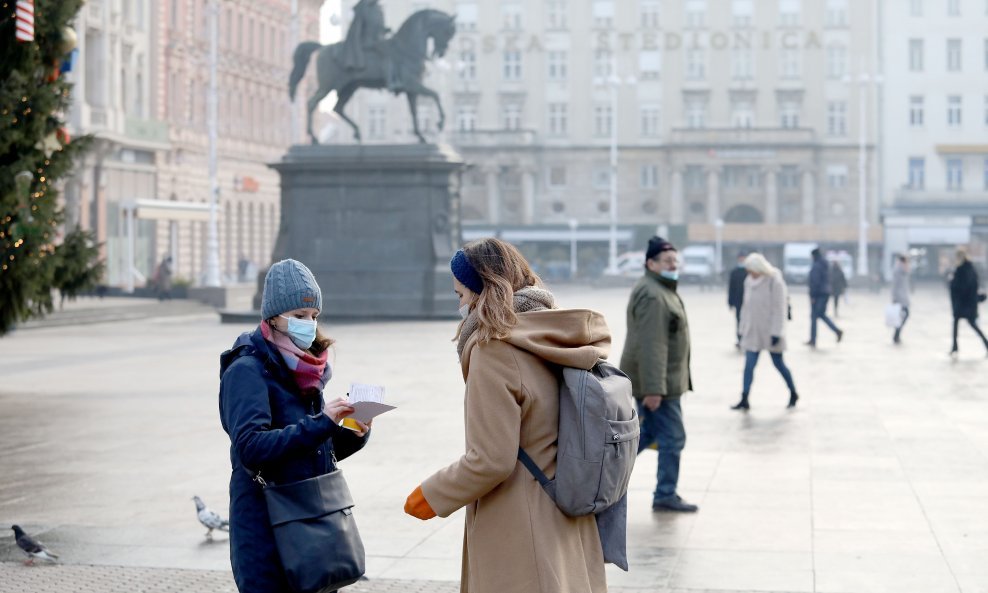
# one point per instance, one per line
(367, 401)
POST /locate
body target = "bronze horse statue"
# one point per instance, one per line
(399, 65)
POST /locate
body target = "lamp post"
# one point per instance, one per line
(212, 233)
(863, 80)
(613, 82)
(719, 249)
(573, 225)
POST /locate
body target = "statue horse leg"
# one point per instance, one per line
(412, 100)
(417, 88)
(319, 95)
(343, 98)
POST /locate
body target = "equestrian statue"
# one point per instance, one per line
(369, 58)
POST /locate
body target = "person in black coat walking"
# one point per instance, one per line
(838, 285)
(820, 296)
(735, 295)
(272, 406)
(964, 297)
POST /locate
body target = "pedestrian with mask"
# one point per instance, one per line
(511, 343)
(820, 296)
(657, 359)
(735, 295)
(900, 293)
(763, 324)
(272, 407)
(964, 297)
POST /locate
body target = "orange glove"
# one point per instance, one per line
(417, 506)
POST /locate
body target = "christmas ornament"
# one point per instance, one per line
(69, 40)
(25, 21)
(63, 136)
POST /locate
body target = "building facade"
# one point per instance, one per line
(730, 117)
(141, 89)
(936, 120)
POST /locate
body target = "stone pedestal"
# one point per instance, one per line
(376, 224)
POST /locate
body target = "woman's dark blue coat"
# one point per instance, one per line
(275, 429)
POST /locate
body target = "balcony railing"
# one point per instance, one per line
(719, 137)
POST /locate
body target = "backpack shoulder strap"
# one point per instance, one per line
(529, 463)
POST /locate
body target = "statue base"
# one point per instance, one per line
(376, 224)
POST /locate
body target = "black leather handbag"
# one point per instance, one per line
(315, 532)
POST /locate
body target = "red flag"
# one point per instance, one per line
(25, 20)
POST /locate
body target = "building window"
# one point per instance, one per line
(986, 174)
(917, 173)
(696, 64)
(789, 114)
(953, 7)
(468, 65)
(511, 116)
(955, 174)
(837, 118)
(836, 61)
(696, 113)
(649, 12)
(986, 47)
(916, 7)
(602, 120)
(466, 16)
(696, 13)
(556, 14)
(557, 65)
(602, 62)
(789, 13)
(954, 111)
(742, 64)
(954, 55)
(466, 118)
(557, 119)
(512, 65)
(837, 176)
(557, 176)
(377, 119)
(649, 176)
(986, 110)
(742, 113)
(916, 111)
(742, 12)
(790, 63)
(649, 64)
(511, 16)
(602, 176)
(603, 14)
(916, 55)
(789, 177)
(836, 13)
(650, 115)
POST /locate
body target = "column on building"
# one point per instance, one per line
(771, 195)
(491, 174)
(809, 196)
(528, 193)
(713, 194)
(677, 203)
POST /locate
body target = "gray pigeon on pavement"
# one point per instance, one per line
(209, 518)
(32, 547)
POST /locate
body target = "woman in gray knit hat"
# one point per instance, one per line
(272, 406)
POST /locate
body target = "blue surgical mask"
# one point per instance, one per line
(301, 331)
(674, 275)
(465, 311)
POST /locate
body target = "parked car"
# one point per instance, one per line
(696, 264)
(797, 261)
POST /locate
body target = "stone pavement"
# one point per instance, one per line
(877, 482)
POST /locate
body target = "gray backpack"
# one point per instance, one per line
(598, 441)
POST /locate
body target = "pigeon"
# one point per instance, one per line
(209, 518)
(32, 547)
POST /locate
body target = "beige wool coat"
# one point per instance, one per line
(763, 313)
(516, 540)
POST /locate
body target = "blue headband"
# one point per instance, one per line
(465, 273)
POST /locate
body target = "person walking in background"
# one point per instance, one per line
(510, 344)
(900, 293)
(838, 285)
(272, 406)
(763, 323)
(819, 297)
(163, 279)
(964, 297)
(657, 359)
(735, 295)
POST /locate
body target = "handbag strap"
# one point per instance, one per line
(256, 476)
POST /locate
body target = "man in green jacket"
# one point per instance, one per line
(657, 358)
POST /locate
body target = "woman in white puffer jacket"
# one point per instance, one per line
(763, 320)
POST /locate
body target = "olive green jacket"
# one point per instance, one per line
(657, 348)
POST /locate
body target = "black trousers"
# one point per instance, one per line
(973, 321)
(905, 316)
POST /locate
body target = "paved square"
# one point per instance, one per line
(877, 482)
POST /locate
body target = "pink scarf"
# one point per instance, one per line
(311, 371)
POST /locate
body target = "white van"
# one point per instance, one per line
(797, 261)
(696, 264)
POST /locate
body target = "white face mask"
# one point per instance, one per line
(465, 311)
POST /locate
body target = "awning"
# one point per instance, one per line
(171, 210)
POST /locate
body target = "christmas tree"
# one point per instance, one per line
(35, 152)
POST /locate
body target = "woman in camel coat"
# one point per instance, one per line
(763, 323)
(515, 540)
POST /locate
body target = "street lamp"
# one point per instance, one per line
(573, 225)
(613, 82)
(863, 80)
(719, 249)
(212, 236)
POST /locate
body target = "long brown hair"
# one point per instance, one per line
(504, 271)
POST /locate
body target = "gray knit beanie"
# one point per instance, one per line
(289, 285)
